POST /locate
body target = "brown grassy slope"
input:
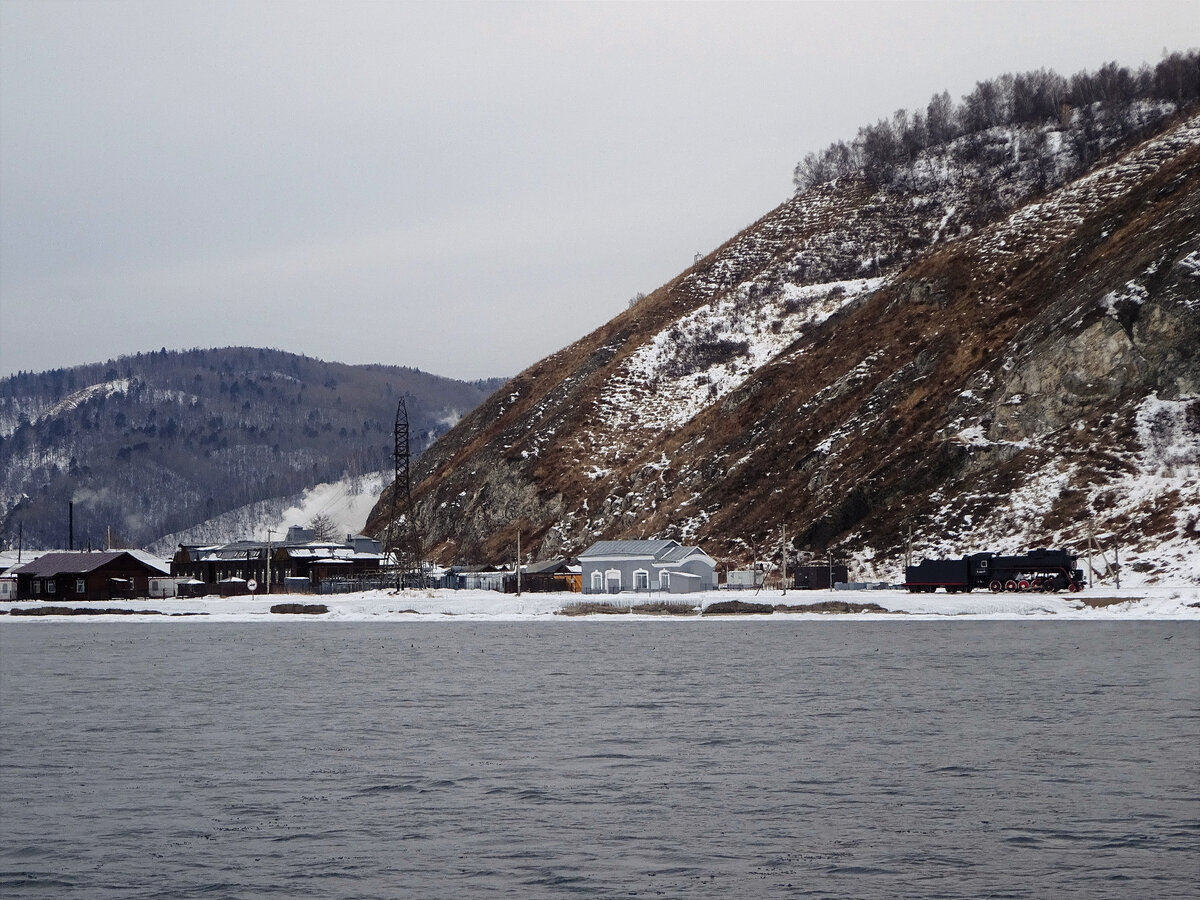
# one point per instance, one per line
(897, 452)
(850, 435)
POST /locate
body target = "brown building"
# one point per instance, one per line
(104, 575)
(552, 575)
(230, 568)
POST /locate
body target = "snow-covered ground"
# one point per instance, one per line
(1132, 603)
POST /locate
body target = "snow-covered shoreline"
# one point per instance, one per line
(1141, 603)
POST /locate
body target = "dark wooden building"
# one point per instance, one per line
(231, 568)
(553, 575)
(101, 575)
(819, 577)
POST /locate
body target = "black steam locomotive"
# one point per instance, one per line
(1038, 570)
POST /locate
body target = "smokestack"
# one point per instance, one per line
(71, 525)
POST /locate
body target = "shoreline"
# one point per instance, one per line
(1137, 603)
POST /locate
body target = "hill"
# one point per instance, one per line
(157, 443)
(986, 342)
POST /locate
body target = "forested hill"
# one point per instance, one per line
(972, 327)
(154, 443)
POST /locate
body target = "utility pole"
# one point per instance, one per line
(1090, 541)
(270, 531)
(518, 563)
(785, 555)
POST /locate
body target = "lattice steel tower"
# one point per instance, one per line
(403, 539)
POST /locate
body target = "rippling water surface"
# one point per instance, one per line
(601, 759)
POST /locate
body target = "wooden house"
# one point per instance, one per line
(74, 576)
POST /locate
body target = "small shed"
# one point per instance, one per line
(821, 578)
(744, 578)
(477, 578)
(685, 583)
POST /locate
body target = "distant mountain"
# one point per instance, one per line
(982, 336)
(155, 443)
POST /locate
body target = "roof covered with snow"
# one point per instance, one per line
(79, 563)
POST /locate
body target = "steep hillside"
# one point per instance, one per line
(971, 355)
(155, 443)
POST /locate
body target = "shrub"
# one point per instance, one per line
(312, 609)
(665, 608)
(832, 606)
(591, 608)
(737, 608)
(80, 611)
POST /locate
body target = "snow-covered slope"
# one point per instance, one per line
(345, 504)
(155, 443)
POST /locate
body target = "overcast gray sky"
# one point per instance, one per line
(463, 188)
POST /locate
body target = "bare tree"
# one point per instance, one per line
(323, 528)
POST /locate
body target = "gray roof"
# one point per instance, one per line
(629, 548)
(547, 567)
(678, 554)
(77, 563)
(662, 552)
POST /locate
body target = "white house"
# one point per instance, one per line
(610, 567)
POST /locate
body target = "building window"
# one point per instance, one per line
(641, 580)
(597, 582)
(80, 586)
(664, 580)
(50, 585)
(612, 578)
(36, 586)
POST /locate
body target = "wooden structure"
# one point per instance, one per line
(74, 576)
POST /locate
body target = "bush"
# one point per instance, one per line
(80, 611)
(832, 606)
(591, 608)
(737, 608)
(310, 609)
(665, 608)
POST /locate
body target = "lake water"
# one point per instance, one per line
(600, 759)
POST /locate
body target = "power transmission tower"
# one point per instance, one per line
(403, 539)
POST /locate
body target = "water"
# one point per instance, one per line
(699, 759)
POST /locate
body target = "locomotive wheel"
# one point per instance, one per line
(1073, 588)
(1010, 585)
(1023, 584)
(996, 586)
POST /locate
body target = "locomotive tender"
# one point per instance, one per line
(1038, 570)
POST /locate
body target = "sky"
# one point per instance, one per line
(462, 188)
